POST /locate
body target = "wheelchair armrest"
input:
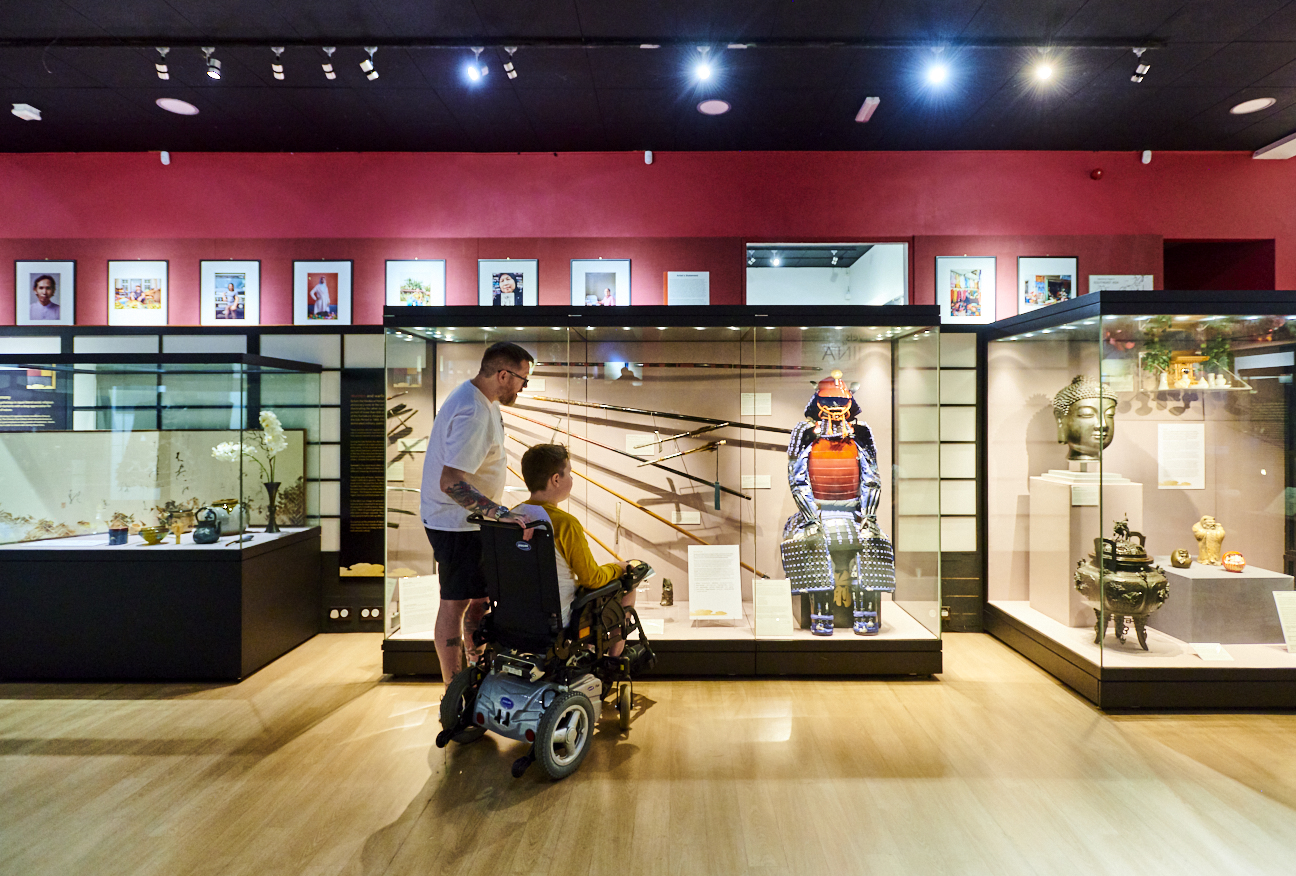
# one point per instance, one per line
(613, 589)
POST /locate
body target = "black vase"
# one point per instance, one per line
(272, 489)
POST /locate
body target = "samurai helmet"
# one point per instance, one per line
(833, 402)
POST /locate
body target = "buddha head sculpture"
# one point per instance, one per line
(1085, 411)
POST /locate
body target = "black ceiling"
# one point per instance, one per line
(584, 83)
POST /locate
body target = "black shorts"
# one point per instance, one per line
(458, 558)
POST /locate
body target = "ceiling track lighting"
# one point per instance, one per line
(327, 66)
(1141, 70)
(213, 64)
(367, 65)
(276, 66)
(703, 69)
(508, 65)
(161, 65)
(475, 69)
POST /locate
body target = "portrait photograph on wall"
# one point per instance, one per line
(600, 282)
(965, 289)
(45, 293)
(231, 292)
(1044, 281)
(137, 293)
(416, 283)
(508, 282)
(322, 293)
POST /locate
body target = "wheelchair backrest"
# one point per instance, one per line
(522, 585)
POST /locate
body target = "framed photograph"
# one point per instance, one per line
(322, 293)
(965, 289)
(231, 293)
(416, 283)
(604, 282)
(1044, 281)
(45, 293)
(137, 293)
(508, 282)
(1119, 282)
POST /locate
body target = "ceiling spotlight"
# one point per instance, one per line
(26, 112)
(751, 260)
(1252, 106)
(1141, 70)
(213, 65)
(937, 73)
(508, 65)
(367, 64)
(775, 262)
(177, 106)
(1044, 71)
(703, 69)
(834, 255)
(869, 107)
(649, 46)
(327, 66)
(161, 66)
(475, 69)
(276, 67)
(713, 107)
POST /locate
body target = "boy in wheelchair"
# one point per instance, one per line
(555, 639)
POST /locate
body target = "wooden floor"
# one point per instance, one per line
(317, 765)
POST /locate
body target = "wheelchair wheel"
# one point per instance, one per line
(460, 697)
(564, 735)
(623, 707)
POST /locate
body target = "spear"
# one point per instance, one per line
(673, 471)
(648, 413)
(712, 446)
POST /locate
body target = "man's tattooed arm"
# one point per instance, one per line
(471, 498)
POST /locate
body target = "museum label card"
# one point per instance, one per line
(687, 518)
(773, 598)
(755, 482)
(1212, 651)
(1181, 456)
(653, 626)
(715, 589)
(1084, 494)
(688, 287)
(1286, 601)
(755, 404)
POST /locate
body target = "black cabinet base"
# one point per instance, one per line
(1125, 688)
(183, 615)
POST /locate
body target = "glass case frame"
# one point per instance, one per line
(678, 369)
(1196, 392)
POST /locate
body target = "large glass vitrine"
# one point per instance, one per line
(1140, 523)
(678, 421)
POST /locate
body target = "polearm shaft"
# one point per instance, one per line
(673, 471)
(648, 413)
(649, 512)
(703, 449)
(614, 554)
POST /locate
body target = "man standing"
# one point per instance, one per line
(464, 473)
(42, 307)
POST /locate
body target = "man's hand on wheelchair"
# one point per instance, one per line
(521, 520)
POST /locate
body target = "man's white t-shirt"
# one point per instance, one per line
(467, 434)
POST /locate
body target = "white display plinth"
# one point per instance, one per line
(1064, 521)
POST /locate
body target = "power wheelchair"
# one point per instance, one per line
(537, 681)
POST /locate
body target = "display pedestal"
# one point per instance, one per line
(1064, 521)
(1208, 604)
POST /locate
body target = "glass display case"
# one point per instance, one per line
(679, 422)
(90, 448)
(1140, 529)
(159, 516)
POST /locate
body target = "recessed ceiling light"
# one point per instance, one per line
(1253, 106)
(937, 74)
(177, 106)
(1043, 71)
(713, 107)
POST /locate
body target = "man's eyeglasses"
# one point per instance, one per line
(518, 376)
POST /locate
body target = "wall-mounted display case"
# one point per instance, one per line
(1139, 471)
(136, 533)
(679, 421)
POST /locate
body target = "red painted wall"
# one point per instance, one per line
(1216, 264)
(687, 211)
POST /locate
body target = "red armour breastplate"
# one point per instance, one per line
(834, 469)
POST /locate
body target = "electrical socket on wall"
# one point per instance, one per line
(370, 613)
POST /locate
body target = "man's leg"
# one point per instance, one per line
(449, 636)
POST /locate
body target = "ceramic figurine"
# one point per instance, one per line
(668, 592)
(1181, 559)
(1085, 411)
(1210, 537)
(833, 549)
(1119, 581)
(178, 529)
(1234, 562)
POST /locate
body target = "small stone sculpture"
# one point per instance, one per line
(1085, 411)
(1210, 537)
(1181, 559)
(668, 592)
